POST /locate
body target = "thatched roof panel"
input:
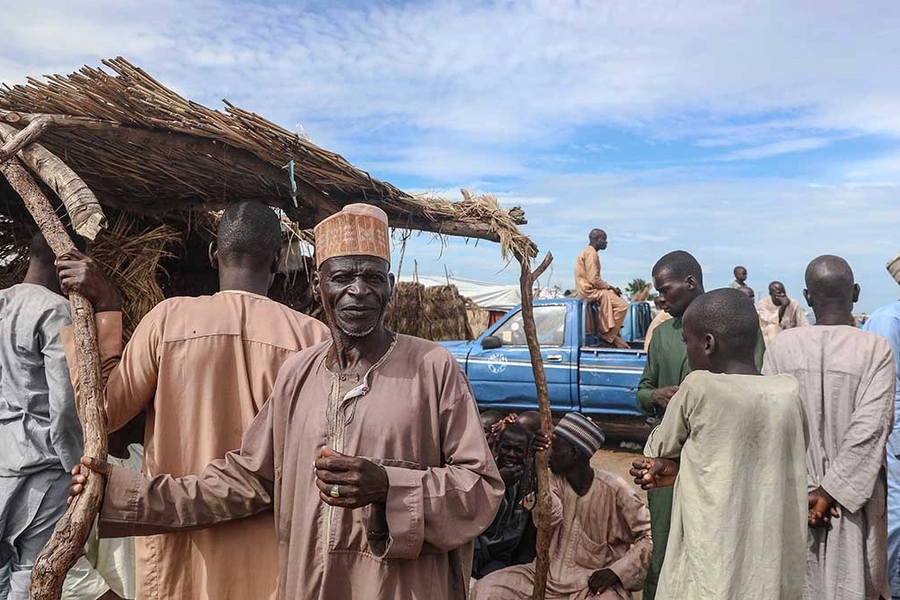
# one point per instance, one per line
(144, 148)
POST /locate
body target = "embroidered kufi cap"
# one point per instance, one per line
(357, 230)
(893, 268)
(581, 432)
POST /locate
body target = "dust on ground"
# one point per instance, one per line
(615, 459)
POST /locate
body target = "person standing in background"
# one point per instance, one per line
(886, 322)
(40, 435)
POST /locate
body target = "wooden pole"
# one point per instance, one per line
(81, 204)
(68, 539)
(542, 508)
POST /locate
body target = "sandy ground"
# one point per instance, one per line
(617, 460)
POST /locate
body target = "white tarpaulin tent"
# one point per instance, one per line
(488, 296)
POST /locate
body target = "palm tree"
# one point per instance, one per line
(639, 290)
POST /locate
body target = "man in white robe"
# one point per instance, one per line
(847, 381)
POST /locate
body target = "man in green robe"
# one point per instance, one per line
(678, 279)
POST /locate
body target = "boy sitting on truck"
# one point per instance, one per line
(733, 443)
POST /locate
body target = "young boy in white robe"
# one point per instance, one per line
(733, 443)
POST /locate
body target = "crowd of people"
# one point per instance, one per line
(259, 453)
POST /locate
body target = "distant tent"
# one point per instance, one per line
(492, 297)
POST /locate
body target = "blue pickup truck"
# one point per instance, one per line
(581, 375)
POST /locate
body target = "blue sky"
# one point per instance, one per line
(761, 133)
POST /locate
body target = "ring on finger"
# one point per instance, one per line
(335, 492)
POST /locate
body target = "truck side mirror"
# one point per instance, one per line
(491, 342)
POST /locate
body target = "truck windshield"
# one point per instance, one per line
(549, 320)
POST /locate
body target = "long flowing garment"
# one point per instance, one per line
(607, 528)
(202, 368)
(413, 413)
(741, 442)
(847, 381)
(591, 288)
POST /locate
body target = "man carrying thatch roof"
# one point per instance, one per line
(40, 437)
(202, 368)
(392, 428)
(591, 287)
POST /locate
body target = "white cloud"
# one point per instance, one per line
(776, 149)
(497, 92)
(496, 70)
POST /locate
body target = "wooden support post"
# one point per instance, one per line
(542, 509)
(71, 533)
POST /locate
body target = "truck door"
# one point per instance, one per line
(503, 377)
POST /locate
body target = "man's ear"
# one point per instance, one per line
(710, 345)
(856, 291)
(393, 281)
(214, 255)
(315, 280)
(691, 282)
(808, 297)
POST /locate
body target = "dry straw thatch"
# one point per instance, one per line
(435, 313)
(142, 147)
(129, 251)
(161, 165)
(130, 255)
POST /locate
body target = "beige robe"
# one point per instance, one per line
(658, 320)
(106, 565)
(415, 415)
(771, 325)
(847, 381)
(739, 511)
(607, 528)
(590, 287)
(202, 367)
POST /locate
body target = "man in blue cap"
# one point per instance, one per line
(601, 544)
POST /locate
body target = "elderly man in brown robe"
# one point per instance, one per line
(601, 543)
(847, 382)
(201, 367)
(370, 450)
(591, 288)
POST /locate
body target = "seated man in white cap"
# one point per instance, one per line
(601, 544)
(367, 420)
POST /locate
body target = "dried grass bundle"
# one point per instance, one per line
(406, 312)
(479, 320)
(130, 256)
(445, 314)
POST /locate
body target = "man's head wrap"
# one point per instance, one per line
(581, 432)
(357, 230)
(893, 268)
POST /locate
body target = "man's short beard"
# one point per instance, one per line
(357, 334)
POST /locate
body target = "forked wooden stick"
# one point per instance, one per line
(71, 533)
(543, 507)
